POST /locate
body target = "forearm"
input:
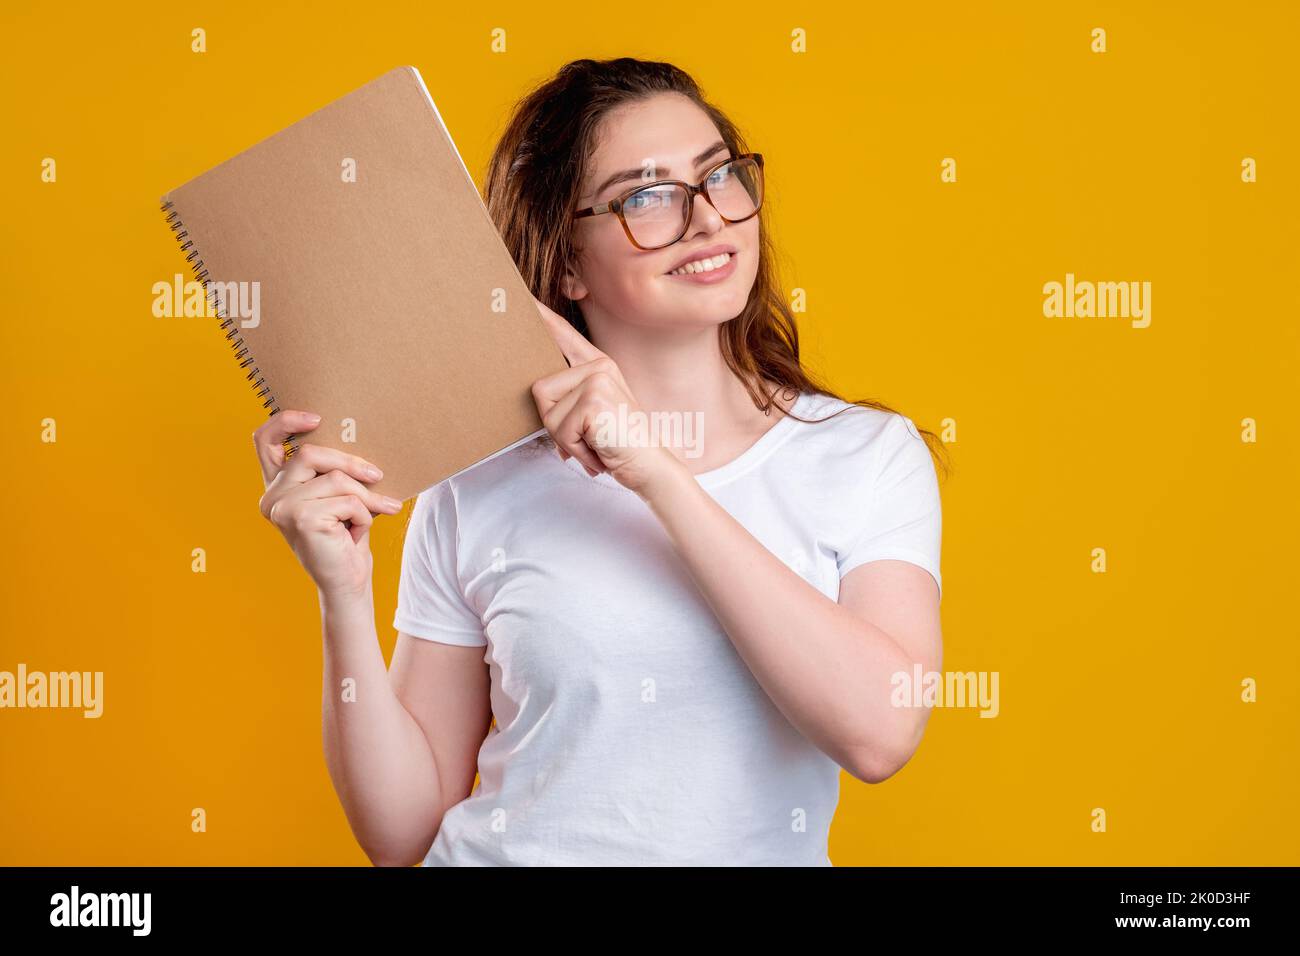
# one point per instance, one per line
(378, 757)
(826, 669)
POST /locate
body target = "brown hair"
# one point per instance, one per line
(534, 179)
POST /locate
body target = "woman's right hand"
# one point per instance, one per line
(311, 495)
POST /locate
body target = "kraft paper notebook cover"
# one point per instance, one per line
(389, 302)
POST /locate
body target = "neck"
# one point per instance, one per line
(676, 371)
(683, 371)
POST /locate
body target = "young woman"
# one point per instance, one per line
(682, 645)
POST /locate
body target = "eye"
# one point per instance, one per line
(649, 199)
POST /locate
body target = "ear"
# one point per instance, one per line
(572, 286)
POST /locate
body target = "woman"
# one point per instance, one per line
(682, 642)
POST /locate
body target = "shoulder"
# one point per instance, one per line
(516, 476)
(493, 487)
(858, 435)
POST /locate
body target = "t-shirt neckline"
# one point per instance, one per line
(752, 456)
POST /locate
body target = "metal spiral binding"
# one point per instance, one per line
(236, 341)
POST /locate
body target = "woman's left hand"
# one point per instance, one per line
(586, 408)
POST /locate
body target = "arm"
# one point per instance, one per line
(827, 666)
(403, 751)
(400, 745)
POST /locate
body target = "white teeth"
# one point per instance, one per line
(702, 265)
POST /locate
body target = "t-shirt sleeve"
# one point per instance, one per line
(904, 518)
(429, 600)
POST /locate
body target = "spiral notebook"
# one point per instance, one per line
(354, 270)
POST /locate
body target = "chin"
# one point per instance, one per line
(704, 317)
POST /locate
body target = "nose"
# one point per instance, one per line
(703, 215)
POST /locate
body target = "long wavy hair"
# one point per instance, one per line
(535, 177)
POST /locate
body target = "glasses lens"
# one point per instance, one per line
(655, 214)
(736, 189)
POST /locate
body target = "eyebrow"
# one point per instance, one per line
(628, 174)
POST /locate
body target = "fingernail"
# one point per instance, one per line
(313, 418)
(393, 503)
(373, 473)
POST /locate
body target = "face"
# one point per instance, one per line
(666, 136)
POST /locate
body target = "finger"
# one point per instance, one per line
(322, 515)
(351, 509)
(268, 439)
(566, 430)
(284, 496)
(572, 343)
(337, 482)
(580, 422)
(550, 389)
(313, 460)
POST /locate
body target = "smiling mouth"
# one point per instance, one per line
(701, 266)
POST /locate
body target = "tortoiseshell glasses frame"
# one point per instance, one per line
(749, 161)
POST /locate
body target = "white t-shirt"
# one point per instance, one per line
(628, 729)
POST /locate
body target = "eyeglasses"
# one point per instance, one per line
(659, 213)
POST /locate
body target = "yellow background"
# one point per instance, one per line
(1118, 690)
